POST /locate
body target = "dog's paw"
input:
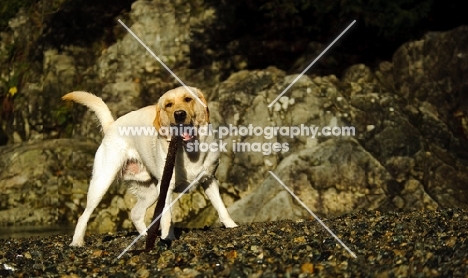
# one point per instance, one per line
(168, 238)
(77, 243)
(230, 224)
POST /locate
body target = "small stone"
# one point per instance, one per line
(300, 239)
(143, 272)
(97, 253)
(231, 255)
(27, 255)
(307, 268)
(370, 127)
(135, 260)
(276, 107)
(267, 162)
(283, 100)
(451, 241)
(190, 272)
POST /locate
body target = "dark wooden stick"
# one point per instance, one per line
(164, 186)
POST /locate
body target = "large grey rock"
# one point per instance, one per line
(332, 178)
(410, 120)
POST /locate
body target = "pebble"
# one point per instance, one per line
(387, 244)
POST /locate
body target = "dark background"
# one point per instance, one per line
(263, 33)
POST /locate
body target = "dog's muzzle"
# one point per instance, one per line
(185, 131)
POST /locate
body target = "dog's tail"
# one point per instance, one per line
(94, 103)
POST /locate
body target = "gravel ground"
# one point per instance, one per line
(415, 244)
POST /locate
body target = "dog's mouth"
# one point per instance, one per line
(186, 131)
(186, 137)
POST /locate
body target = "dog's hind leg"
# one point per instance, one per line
(107, 164)
(146, 194)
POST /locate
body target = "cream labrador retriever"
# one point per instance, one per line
(141, 159)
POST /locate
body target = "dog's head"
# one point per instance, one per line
(181, 107)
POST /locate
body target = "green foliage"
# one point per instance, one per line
(14, 56)
(389, 18)
(15, 68)
(62, 115)
(9, 8)
(277, 32)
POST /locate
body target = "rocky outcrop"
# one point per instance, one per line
(44, 182)
(410, 120)
(124, 74)
(408, 151)
(130, 75)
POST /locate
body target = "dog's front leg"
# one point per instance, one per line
(167, 229)
(212, 191)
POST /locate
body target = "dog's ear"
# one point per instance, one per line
(202, 114)
(161, 120)
(157, 119)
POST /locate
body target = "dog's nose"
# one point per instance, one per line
(180, 115)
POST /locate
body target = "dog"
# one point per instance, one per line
(141, 159)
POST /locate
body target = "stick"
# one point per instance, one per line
(164, 186)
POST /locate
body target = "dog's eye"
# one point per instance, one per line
(188, 99)
(168, 105)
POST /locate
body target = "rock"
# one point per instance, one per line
(413, 138)
(39, 178)
(403, 127)
(332, 178)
